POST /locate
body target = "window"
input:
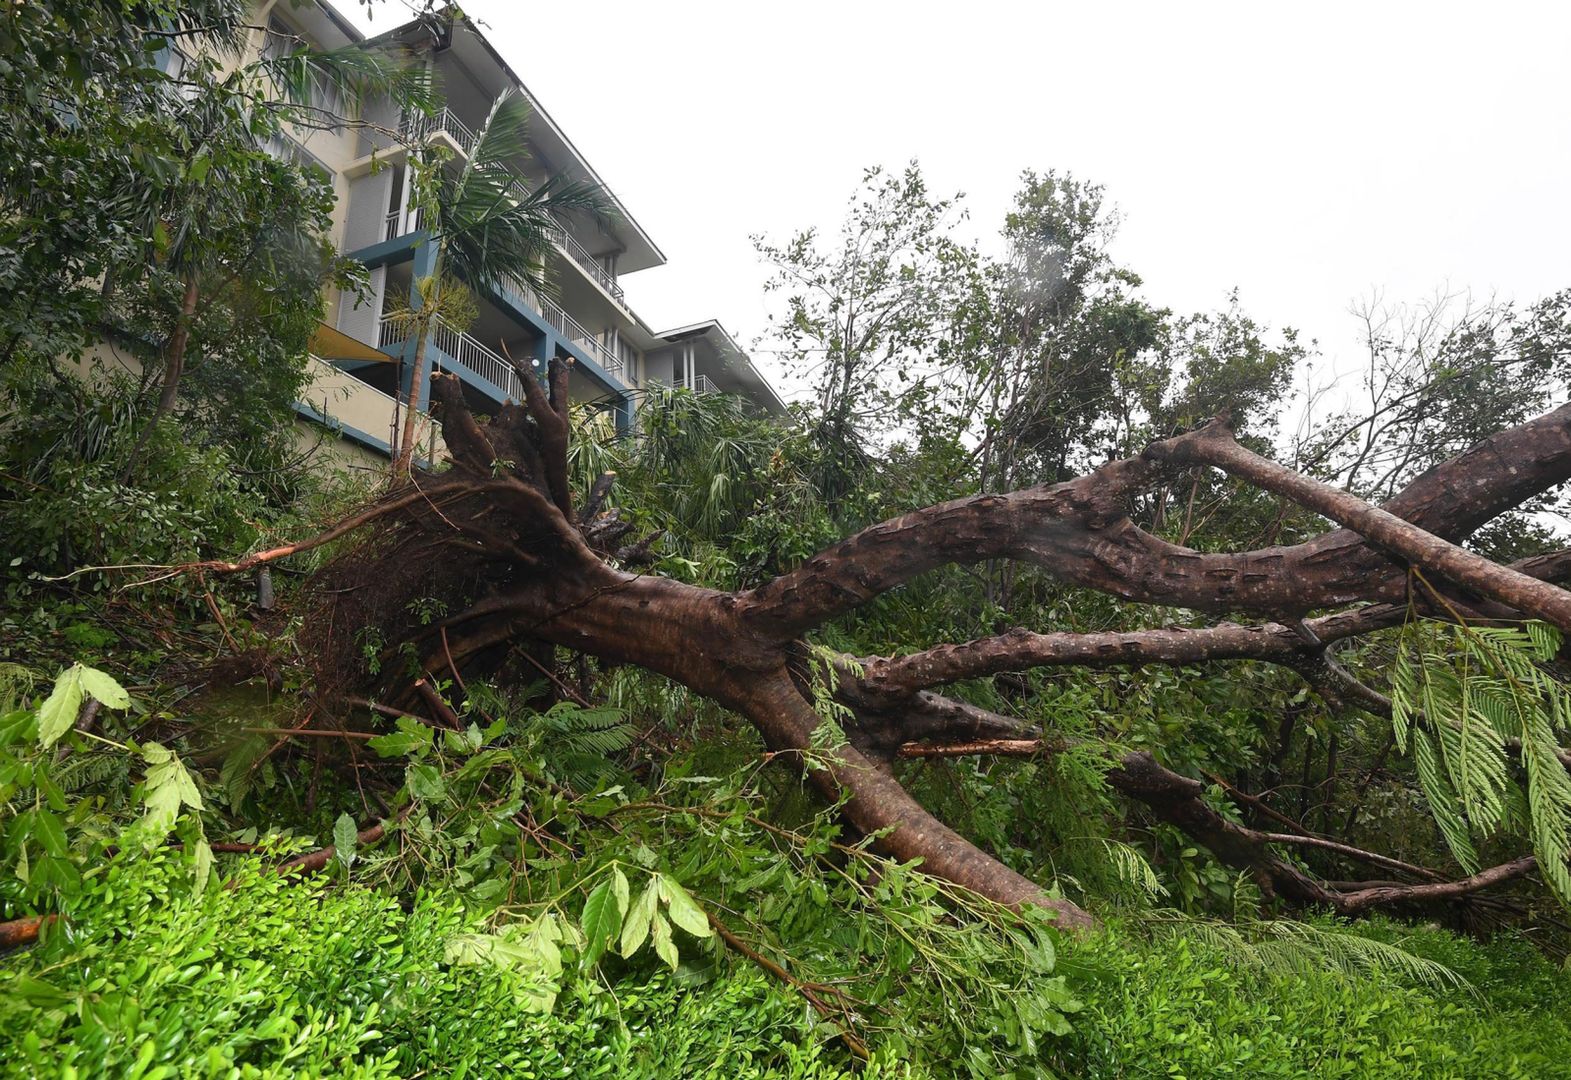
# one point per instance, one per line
(280, 41)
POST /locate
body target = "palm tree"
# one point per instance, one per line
(487, 228)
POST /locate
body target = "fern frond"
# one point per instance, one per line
(1289, 948)
(1460, 695)
(1443, 802)
(1131, 868)
(16, 686)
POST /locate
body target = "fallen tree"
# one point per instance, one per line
(520, 570)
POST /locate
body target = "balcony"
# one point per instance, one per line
(590, 265)
(415, 127)
(461, 349)
(568, 327)
(402, 222)
(703, 384)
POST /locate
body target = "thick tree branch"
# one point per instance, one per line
(1021, 650)
(1080, 533)
(1214, 445)
(520, 569)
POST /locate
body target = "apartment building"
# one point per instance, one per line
(356, 363)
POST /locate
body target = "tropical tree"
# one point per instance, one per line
(1434, 665)
(141, 202)
(875, 318)
(487, 229)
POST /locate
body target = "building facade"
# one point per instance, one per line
(361, 363)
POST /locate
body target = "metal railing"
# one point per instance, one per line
(462, 349)
(402, 222)
(590, 265)
(568, 327)
(703, 384)
(285, 147)
(417, 127)
(569, 246)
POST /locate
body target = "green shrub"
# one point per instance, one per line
(271, 977)
(1182, 1006)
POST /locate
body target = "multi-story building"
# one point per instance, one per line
(355, 364)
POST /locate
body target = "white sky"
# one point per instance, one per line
(1307, 155)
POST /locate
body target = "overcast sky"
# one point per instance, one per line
(1306, 154)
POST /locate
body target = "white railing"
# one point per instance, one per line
(403, 222)
(568, 245)
(590, 265)
(286, 148)
(417, 127)
(462, 349)
(703, 384)
(567, 326)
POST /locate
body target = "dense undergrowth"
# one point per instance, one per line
(267, 977)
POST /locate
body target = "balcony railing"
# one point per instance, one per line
(286, 148)
(567, 326)
(570, 247)
(418, 127)
(703, 384)
(462, 349)
(590, 265)
(402, 222)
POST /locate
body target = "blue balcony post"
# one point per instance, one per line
(545, 349)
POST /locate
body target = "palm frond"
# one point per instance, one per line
(492, 225)
(306, 78)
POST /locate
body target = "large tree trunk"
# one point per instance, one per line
(501, 544)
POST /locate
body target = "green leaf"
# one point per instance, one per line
(17, 726)
(601, 922)
(660, 934)
(201, 864)
(684, 910)
(104, 687)
(49, 832)
(425, 782)
(639, 916)
(620, 888)
(167, 788)
(57, 714)
(345, 837)
(411, 737)
(533, 951)
(38, 993)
